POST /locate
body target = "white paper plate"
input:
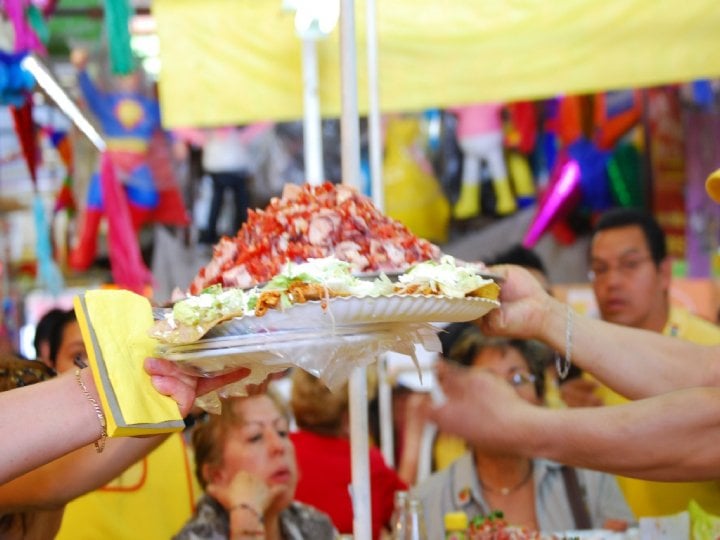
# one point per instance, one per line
(366, 310)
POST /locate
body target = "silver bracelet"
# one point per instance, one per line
(563, 365)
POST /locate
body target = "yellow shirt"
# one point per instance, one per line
(150, 500)
(662, 498)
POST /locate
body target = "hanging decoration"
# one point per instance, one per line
(616, 113)
(48, 272)
(23, 16)
(117, 27)
(15, 82)
(36, 21)
(624, 173)
(128, 269)
(25, 131)
(563, 194)
(583, 130)
(49, 275)
(138, 153)
(412, 193)
(65, 199)
(520, 139)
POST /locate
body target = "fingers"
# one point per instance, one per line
(160, 366)
(500, 270)
(183, 394)
(170, 380)
(452, 378)
(213, 383)
(492, 323)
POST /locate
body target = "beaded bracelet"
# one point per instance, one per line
(100, 442)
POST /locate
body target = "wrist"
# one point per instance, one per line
(553, 321)
(246, 521)
(87, 387)
(248, 509)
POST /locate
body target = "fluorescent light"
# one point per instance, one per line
(62, 100)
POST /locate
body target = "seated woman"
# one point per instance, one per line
(535, 493)
(322, 445)
(246, 461)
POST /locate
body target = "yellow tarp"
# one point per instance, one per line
(236, 61)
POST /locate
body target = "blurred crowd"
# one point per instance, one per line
(277, 464)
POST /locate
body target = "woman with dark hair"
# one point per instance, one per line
(534, 493)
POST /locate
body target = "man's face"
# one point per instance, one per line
(629, 288)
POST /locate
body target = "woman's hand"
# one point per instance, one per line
(245, 490)
(249, 502)
(170, 380)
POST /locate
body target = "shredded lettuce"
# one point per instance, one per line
(212, 304)
(445, 277)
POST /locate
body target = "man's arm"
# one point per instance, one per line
(671, 437)
(674, 436)
(635, 363)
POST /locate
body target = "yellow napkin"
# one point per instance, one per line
(114, 325)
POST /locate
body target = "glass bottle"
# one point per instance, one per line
(399, 516)
(456, 526)
(416, 520)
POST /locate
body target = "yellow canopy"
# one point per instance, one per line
(238, 61)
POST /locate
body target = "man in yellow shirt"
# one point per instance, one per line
(630, 274)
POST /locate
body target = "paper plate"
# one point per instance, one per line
(356, 310)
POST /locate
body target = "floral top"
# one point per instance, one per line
(297, 522)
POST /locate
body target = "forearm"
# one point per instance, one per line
(674, 436)
(42, 422)
(79, 472)
(635, 363)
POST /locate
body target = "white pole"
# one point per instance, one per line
(387, 445)
(387, 435)
(312, 122)
(349, 122)
(374, 127)
(350, 133)
(360, 491)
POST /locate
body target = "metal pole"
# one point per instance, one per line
(312, 122)
(349, 123)
(359, 444)
(374, 120)
(350, 133)
(387, 435)
(387, 445)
